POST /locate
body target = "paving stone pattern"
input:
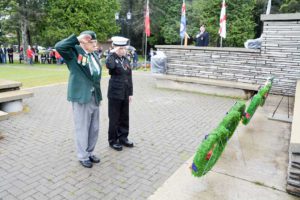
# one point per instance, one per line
(38, 159)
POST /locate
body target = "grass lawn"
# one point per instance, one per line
(36, 75)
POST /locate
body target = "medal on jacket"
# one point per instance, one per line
(84, 60)
(79, 59)
(126, 67)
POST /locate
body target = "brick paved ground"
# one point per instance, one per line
(37, 154)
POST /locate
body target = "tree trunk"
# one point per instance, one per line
(24, 25)
(19, 39)
(28, 36)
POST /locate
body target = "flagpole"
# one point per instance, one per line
(146, 52)
(222, 30)
(268, 11)
(183, 23)
(147, 30)
(221, 42)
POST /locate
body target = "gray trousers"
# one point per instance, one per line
(86, 120)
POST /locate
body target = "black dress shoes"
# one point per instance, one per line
(94, 159)
(86, 163)
(126, 143)
(116, 146)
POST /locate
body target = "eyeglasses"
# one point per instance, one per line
(93, 42)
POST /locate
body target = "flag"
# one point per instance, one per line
(269, 7)
(182, 21)
(222, 30)
(147, 21)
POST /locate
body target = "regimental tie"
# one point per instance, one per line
(93, 67)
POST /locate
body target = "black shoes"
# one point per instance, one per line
(116, 146)
(89, 163)
(94, 159)
(126, 143)
(86, 163)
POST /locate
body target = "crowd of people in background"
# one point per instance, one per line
(33, 54)
(51, 56)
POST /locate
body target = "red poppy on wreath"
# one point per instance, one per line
(208, 155)
(247, 115)
(266, 95)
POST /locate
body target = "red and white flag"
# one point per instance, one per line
(182, 21)
(147, 21)
(222, 30)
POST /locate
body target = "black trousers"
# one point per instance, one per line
(118, 114)
(11, 58)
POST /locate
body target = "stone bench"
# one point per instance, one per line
(207, 86)
(14, 95)
(293, 180)
(3, 115)
(11, 97)
(6, 85)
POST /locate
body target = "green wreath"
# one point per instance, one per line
(212, 147)
(255, 102)
(209, 151)
(232, 119)
(258, 99)
(264, 92)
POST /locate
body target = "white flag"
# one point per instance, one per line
(222, 30)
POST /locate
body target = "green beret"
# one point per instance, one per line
(91, 33)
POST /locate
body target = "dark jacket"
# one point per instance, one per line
(202, 40)
(120, 82)
(10, 51)
(3, 51)
(81, 82)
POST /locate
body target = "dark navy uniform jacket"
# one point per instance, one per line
(120, 83)
(202, 40)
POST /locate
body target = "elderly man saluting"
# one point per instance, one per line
(83, 91)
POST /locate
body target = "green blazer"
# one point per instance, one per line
(81, 82)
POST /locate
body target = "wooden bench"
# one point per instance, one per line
(11, 97)
(293, 180)
(207, 86)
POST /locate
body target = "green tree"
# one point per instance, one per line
(24, 15)
(290, 6)
(67, 17)
(164, 17)
(239, 24)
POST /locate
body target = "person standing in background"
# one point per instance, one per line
(36, 54)
(21, 54)
(10, 52)
(3, 54)
(202, 38)
(30, 55)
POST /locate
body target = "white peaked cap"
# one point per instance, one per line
(119, 41)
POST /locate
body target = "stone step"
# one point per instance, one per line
(8, 84)
(14, 95)
(3, 115)
(214, 82)
(293, 190)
